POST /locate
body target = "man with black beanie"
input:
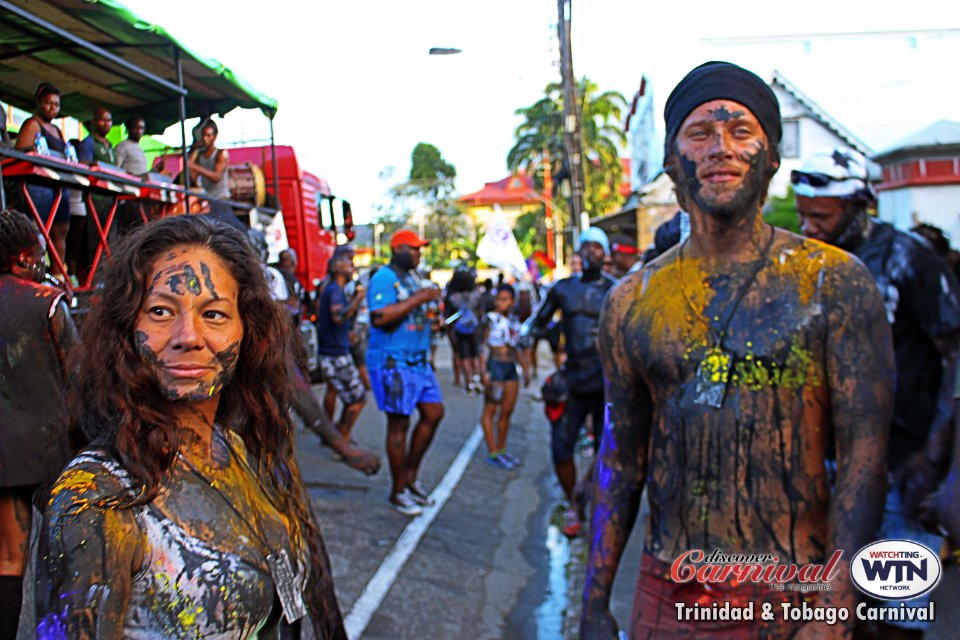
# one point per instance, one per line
(731, 363)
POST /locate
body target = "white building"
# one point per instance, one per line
(921, 180)
(807, 129)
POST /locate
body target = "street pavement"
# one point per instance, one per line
(492, 562)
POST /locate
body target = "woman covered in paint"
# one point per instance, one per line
(502, 334)
(186, 516)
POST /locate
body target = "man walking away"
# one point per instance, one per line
(36, 333)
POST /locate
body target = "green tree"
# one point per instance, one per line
(602, 138)
(782, 212)
(429, 192)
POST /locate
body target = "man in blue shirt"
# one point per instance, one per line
(333, 343)
(398, 358)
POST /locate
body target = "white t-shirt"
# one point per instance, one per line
(504, 331)
(131, 158)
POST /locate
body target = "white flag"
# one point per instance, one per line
(498, 247)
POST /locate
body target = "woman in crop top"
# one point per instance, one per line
(43, 196)
(186, 515)
(500, 379)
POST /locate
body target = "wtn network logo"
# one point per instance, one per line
(895, 569)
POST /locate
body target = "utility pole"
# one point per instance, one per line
(571, 128)
(548, 203)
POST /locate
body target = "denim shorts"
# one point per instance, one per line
(43, 197)
(399, 390)
(502, 371)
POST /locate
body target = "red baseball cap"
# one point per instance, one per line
(407, 237)
(623, 244)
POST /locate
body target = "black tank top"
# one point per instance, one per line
(54, 142)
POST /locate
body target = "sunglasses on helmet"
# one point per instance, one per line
(817, 180)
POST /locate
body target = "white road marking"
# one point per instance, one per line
(376, 590)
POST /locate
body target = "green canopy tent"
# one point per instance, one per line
(99, 53)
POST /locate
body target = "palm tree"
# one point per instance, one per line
(602, 137)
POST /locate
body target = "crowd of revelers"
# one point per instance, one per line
(769, 393)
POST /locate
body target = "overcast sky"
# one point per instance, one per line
(357, 90)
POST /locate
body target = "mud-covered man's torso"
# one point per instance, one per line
(750, 474)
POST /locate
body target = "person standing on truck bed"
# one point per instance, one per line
(35, 333)
(39, 129)
(132, 159)
(211, 170)
(82, 241)
(130, 156)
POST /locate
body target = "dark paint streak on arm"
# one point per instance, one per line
(544, 313)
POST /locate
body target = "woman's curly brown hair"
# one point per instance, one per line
(116, 402)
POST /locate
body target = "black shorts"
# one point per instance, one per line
(552, 337)
(465, 345)
(563, 433)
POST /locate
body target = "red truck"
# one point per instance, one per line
(306, 204)
(305, 201)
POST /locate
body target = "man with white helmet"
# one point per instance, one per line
(922, 301)
(579, 299)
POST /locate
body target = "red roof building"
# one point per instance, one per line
(515, 190)
(513, 196)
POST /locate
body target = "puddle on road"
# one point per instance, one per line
(551, 613)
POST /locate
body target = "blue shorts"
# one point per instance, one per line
(896, 525)
(502, 371)
(399, 390)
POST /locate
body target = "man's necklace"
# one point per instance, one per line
(713, 372)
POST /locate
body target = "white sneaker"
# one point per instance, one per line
(419, 495)
(404, 503)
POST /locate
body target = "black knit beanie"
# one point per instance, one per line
(723, 81)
